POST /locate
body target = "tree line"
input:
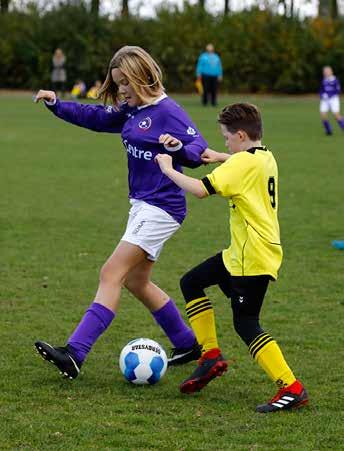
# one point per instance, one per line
(261, 51)
(326, 8)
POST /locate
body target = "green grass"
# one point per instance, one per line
(63, 208)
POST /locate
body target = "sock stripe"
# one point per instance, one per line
(257, 340)
(203, 303)
(261, 346)
(195, 301)
(199, 311)
(201, 307)
(195, 309)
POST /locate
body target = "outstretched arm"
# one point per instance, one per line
(94, 117)
(190, 184)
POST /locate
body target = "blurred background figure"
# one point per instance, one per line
(92, 93)
(79, 90)
(59, 74)
(209, 72)
(199, 86)
(329, 99)
(338, 244)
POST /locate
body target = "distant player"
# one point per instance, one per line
(249, 181)
(329, 99)
(141, 112)
(209, 73)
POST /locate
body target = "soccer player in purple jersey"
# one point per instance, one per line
(141, 112)
(329, 99)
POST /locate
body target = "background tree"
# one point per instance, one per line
(328, 8)
(201, 4)
(4, 4)
(226, 8)
(95, 5)
(125, 8)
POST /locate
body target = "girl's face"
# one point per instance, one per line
(327, 72)
(125, 89)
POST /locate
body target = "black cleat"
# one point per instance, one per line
(292, 397)
(179, 356)
(61, 357)
(210, 365)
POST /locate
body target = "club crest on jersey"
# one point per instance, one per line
(191, 131)
(145, 123)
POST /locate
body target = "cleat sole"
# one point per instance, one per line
(196, 385)
(44, 354)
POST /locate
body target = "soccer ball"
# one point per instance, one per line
(143, 361)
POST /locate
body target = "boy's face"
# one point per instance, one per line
(233, 141)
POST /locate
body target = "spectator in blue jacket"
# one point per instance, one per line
(209, 71)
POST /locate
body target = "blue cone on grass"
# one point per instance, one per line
(338, 244)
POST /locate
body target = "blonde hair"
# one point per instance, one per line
(141, 70)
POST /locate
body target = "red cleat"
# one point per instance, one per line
(292, 397)
(210, 365)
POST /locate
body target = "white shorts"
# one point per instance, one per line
(149, 227)
(330, 104)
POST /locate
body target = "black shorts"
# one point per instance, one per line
(246, 292)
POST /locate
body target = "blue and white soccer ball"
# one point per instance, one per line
(143, 361)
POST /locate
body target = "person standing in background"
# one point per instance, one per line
(59, 75)
(209, 71)
(329, 99)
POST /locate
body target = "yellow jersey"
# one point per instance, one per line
(249, 180)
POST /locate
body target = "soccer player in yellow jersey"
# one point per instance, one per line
(248, 179)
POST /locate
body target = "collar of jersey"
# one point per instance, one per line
(253, 149)
(159, 99)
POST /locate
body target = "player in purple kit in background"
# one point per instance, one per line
(142, 113)
(329, 99)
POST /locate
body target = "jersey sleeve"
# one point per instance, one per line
(199, 66)
(182, 128)
(227, 179)
(94, 117)
(338, 87)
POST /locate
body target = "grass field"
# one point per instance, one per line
(63, 207)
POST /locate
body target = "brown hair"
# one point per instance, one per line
(242, 116)
(141, 70)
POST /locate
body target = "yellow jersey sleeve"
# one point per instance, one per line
(228, 179)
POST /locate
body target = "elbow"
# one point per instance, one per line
(200, 194)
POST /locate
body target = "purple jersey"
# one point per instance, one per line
(140, 128)
(330, 87)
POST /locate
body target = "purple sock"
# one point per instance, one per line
(327, 127)
(95, 321)
(341, 123)
(172, 323)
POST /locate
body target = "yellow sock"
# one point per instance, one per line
(201, 316)
(268, 355)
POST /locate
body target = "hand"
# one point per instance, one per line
(211, 156)
(170, 142)
(49, 96)
(219, 79)
(164, 161)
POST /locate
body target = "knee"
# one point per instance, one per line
(187, 285)
(110, 275)
(248, 328)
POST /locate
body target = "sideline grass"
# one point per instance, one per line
(63, 207)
